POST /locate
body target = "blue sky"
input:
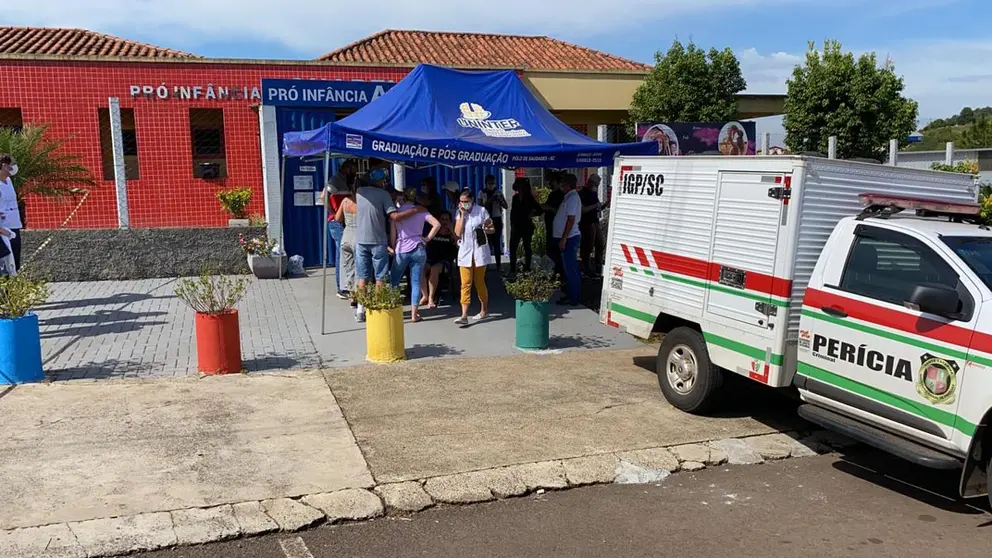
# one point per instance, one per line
(943, 48)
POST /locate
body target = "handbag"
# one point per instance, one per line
(480, 237)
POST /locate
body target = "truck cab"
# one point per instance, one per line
(895, 338)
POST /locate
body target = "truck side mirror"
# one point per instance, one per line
(938, 300)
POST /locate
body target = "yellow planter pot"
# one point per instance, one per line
(384, 335)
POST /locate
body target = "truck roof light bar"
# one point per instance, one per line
(884, 206)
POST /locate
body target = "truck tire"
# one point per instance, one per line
(988, 480)
(686, 376)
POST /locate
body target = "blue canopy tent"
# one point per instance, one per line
(452, 117)
(440, 116)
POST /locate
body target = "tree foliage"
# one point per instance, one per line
(977, 135)
(860, 102)
(687, 84)
(967, 116)
(43, 166)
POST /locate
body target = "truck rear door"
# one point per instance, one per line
(748, 219)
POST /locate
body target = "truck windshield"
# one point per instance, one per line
(976, 251)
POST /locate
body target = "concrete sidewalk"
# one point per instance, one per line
(427, 419)
(101, 468)
(87, 450)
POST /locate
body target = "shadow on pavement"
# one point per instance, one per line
(101, 370)
(578, 342)
(432, 351)
(741, 397)
(117, 299)
(103, 322)
(929, 486)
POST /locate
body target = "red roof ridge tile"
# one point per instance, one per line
(61, 40)
(449, 48)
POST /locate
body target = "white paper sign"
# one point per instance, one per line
(302, 182)
(307, 168)
(304, 199)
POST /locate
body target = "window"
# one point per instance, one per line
(11, 118)
(206, 127)
(888, 266)
(130, 141)
(976, 251)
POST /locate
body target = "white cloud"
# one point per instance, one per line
(943, 76)
(316, 26)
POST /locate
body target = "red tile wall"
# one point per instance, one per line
(66, 95)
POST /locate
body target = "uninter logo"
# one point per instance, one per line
(475, 116)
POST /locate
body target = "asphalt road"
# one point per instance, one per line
(822, 506)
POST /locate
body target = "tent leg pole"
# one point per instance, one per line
(324, 248)
(282, 219)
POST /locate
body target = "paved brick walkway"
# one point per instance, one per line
(132, 329)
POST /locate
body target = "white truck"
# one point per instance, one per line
(867, 287)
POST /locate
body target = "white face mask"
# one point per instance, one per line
(12, 169)
(466, 205)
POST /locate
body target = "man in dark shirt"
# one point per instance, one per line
(550, 207)
(592, 242)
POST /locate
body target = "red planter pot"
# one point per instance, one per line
(218, 343)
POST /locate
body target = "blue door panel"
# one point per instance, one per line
(303, 225)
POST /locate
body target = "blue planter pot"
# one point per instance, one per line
(20, 351)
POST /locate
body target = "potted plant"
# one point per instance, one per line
(263, 262)
(218, 334)
(383, 322)
(20, 334)
(533, 291)
(235, 202)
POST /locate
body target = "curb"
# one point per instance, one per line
(116, 536)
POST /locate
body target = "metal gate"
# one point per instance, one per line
(302, 217)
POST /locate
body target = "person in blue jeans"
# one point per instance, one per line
(409, 246)
(376, 213)
(337, 189)
(567, 237)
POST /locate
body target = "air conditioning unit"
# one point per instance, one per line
(209, 171)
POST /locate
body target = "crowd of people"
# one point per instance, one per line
(383, 234)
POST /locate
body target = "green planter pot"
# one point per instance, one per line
(532, 324)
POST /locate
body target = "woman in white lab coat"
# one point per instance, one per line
(10, 215)
(474, 256)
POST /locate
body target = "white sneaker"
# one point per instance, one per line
(461, 321)
(360, 314)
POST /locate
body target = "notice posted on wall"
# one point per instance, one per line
(302, 182)
(304, 199)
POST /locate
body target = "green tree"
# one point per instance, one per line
(43, 166)
(858, 101)
(687, 84)
(977, 135)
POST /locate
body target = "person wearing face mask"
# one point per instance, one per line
(494, 202)
(471, 227)
(375, 215)
(10, 214)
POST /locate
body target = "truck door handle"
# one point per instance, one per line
(834, 311)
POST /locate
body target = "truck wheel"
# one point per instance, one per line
(686, 376)
(988, 480)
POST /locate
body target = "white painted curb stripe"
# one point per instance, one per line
(295, 548)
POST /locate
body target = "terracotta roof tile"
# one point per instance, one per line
(51, 41)
(478, 50)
